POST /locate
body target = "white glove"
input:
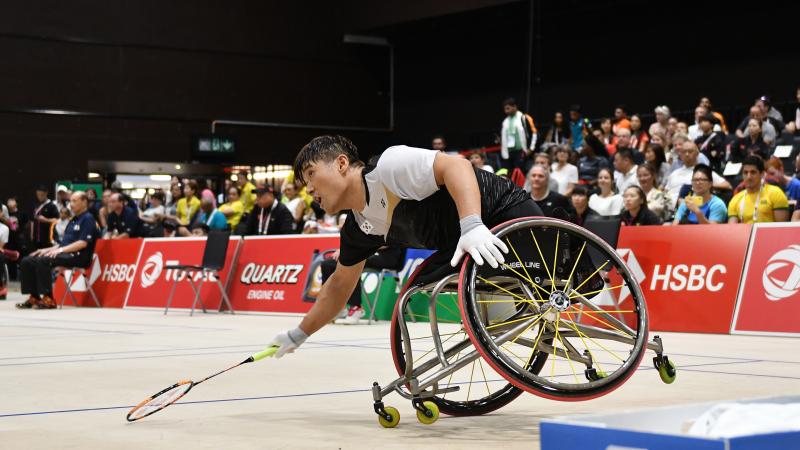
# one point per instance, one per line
(479, 242)
(288, 341)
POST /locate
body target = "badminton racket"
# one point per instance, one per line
(172, 394)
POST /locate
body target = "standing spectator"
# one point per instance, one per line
(18, 239)
(295, 204)
(683, 176)
(580, 202)
(45, 216)
(234, 208)
(636, 212)
(154, 215)
(517, 137)
(706, 103)
(62, 197)
(759, 202)
(269, 216)
(656, 200)
(565, 174)
(711, 142)
(701, 206)
(557, 134)
(438, 143)
(594, 157)
(751, 144)
(188, 206)
(247, 190)
(625, 169)
(579, 127)
(768, 131)
(478, 160)
(621, 119)
(102, 218)
(94, 206)
(209, 215)
(654, 155)
(5, 233)
(662, 121)
(606, 202)
(75, 250)
(123, 221)
(639, 137)
(552, 203)
(176, 194)
(63, 220)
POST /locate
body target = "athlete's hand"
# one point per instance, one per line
(288, 341)
(479, 242)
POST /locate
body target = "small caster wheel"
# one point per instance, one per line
(666, 369)
(594, 374)
(391, 419)
(431, 414)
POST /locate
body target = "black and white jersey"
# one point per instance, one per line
(406, 208)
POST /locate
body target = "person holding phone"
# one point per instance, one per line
(701, 206)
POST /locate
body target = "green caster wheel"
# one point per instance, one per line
(666, 369)
(431, 415)
(395, 417)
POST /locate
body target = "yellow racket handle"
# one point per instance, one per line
(269, 351)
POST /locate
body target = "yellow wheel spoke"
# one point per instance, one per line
(575, 266)
(528, 275)
(505, 290)
(469, 386)
(434, 348)
(453, 373)
(590, 276)
(428, 337)
(555, 263)
(505, 301)
(596, 292)
(450, 310)
(566, 351)
(581, 335)
(539, 249)
(511, 321)
(589, 313)
(526, 329)
(485, 380)
(601, 346)
(535, 346)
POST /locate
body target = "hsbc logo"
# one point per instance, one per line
(677, 277)
(777, 287)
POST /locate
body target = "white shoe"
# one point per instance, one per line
(354, 314)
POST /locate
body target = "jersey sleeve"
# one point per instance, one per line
(733, 206)
(355, 245)
(88, 229)
(408, 172)
(718, 211)
(778, 199)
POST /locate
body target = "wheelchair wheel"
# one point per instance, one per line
(481, 389)
(565, 285)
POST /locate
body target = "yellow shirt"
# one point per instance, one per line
(238, 209)
(186, 212)
(769, 198)
(248, 197)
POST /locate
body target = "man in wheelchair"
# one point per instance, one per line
(410, 197)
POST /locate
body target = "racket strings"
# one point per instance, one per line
(160, 401)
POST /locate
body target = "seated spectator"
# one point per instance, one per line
(209, 215)
(438, 143)
(188, 206)
(580, 202)
(796, 214)
(701, 206)
(94, 205)
(639, 137)
(695, 130)
(123, 221)
(759, 202)
(606, 202)
(579, 127)
(623, 140)
(654, 155)
(683, 176)
(76, 250)
(711, 143)
(605, 132)
(660, 126)
(681, 127)
(5, 233)
(793, 127)
(751, 144)
(636, 212)
(478, 160)
(294, 203)
(557, 134)
(768, 131)
(678, 140)
(269, 215)
(625, 169)
(777, 176)
(247, 191)
(153, 216)
(706, 103)
(233, 208)
(63, 220)
(621, 119)
(769, 113)
(552, 203)
(656, 200)
(542, 160)
(594, 157)
(565, 174)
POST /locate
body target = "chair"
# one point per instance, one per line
(372, 305)
(213, 262)
(74, 272)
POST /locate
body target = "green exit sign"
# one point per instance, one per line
(213, 147)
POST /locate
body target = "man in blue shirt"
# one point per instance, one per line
(578, 127)
(76, 250)
(123, 220)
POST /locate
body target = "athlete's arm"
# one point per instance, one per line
(458, 176)
(332, 297)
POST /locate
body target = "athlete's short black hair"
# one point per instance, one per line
(754, 160)
(324, 148)
(510, 101)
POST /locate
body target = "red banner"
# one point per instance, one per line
(689, 274)
(769, 298)
(278, 273)
(152, 281)
(112, 270)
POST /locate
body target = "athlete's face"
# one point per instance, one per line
(326, 182)
(752, 177)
